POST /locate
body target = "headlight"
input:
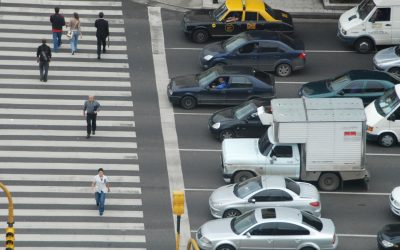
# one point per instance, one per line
(208, 57)
(205, 242)
(170, 91)
(370, 129)
(216, 125)
(386, 243)
(216, 204)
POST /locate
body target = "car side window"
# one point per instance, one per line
(264, 229)
(269, 48)
(240, 82)
(248, 48)
(251, 16)
(272, 195)
(381, 15)
(374, 86)
(356, 87)
(282, 152)
(233, 16)
(284, 228)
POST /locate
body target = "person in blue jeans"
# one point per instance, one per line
(75, 28)
(57, 22)
(101, 186)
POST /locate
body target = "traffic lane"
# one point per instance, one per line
(384, 172)
(357, 243)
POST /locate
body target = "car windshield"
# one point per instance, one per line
(385, 104)
(204, 78)
(220, 12)
(312, 221)
(234, 42)
(293, 186)
(270, 11)
(243, 222)
(264, 145)
(247, 187)
(244, 111)
(339, 82)
(364, 8)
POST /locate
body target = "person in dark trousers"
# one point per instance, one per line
(57, 22)
(102, 33)
(100, 186)
(90, 109)
(43, 55)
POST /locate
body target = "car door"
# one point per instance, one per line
(260, 237)
(252, 127)
(289, 236)
(230, 25)
(353, 89)
(394, 122)
(250, 21)
(283, 160)
(373, 89)
(244, 55)
(239, 90)
(270, 198)
(379, 26)
(268, 54)
(211, 95)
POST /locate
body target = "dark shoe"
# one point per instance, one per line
(98, 57)
(41, 79)
(101, 214)
(97, 204)
(104, 51)
(45, 80)
(88, 136)
(73, 52)
(93, 132)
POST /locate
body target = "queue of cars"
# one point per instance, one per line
(265, 208)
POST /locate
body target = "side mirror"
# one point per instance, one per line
(273, 158)
(252, 200)
(392, 118)
(341, 92)
(248, 234)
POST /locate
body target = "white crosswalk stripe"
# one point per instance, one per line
(46, 161)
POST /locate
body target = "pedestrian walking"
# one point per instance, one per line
(102, 33)
(100, 186)
(43, 55)
(57, 22)
(75, 29)
(90, 109)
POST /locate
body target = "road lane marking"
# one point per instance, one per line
(74, 238)
(80, 83)
(40, 9)
(38, 225)
(65, 189)
(202, 114)
(67, 155)
(168, 126)
(69, 201)
(66, 3)
(58, 102)
(43, 18)
(66, 166)
(64, 133)
(307, 51)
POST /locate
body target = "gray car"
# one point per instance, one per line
(264, 191)
(268, 228)
(388, 60)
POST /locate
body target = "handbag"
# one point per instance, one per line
(69, 34)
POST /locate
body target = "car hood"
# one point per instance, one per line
(308, 190)
(217, 229)
(241, 151)
(223, 115)
(314, 88)
(283, 16)
(198, 16)
(372, 115)
(391, 232)
(349, 19)
(213, 49)
(188, 81)
(386, 56)
(224, 195)
(396, 194)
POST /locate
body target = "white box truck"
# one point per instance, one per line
(317, 139)
(371, 23)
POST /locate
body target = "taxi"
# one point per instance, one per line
(234, 17)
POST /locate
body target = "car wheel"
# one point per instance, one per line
(231, 213)
(307, 248)
(395, 71)
(188, 102)
(242, 176)
(200, 36)
(226, 247)
(226, 133)
(364, 45)
(387, 139)
(283, 69)
(329, 181)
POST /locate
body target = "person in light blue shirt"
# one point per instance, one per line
(222, 84)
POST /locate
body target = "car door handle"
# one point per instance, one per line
(388, 24)
(297, 240)
(270, 241)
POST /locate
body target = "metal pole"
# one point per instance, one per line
(178, 231)
(10, 221)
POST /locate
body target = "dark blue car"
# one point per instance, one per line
(221, 85)
(264, 50)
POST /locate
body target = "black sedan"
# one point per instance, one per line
(365, 84)
(389, 237)
(221, 85)
(239, 121)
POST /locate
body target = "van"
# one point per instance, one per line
(371, 23)
(383, 118)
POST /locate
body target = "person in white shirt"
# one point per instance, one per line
(100, 186)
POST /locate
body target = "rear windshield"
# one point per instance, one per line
(312, 221)
(292, 185)
(247, 187)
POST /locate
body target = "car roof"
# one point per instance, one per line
(273, 181)
(237, 70)
(250, 5)
(292, 41)
(278, 213)
(368, 74)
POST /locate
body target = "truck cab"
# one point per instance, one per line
(371, 23)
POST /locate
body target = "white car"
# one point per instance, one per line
(395, 201)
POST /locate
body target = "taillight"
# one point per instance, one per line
(334, 239)
(302, 56)
(314, 204)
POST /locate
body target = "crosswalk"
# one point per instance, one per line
(45, 159)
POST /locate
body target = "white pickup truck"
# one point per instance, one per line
(319, 139)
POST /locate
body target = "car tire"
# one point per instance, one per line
(329, 181)
(387, 140)
(226, 133)
(242, 176)
(364, 45)
(231, 213)
(200, 36)
(188, 102)
(395, 71)
(283, 70)
(226, 247)
(307, 248)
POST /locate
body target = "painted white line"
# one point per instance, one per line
(200, 114)
(199, 189)
(80, 225)
(51, 112)
(184, 49)
(68, 178)
(68, 144)
(70, 201)
(80, 83)
(33, 91)
(62, 189)
(174, 168)
(66, 3)
(106, 238)
(376, 154)
(49, 37)
(68, 133)
(278, 82)
(68, 166)
(79, 73)
(66, 12)
(45, 19)
(68, 155)
(84, 29)
(199, 150)
(307, 51)
(75, 248)
(81, 46)
(72, 64)
(357, 235)
(55, 56)
(61, 102)
(48, 122)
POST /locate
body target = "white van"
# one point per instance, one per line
(372, 22)
(383, 118)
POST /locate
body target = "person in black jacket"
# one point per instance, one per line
(57, 22)
(43, 55)
(102, 33)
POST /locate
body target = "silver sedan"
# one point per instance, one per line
(388, 60)
(268, 228)
(264, 191)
